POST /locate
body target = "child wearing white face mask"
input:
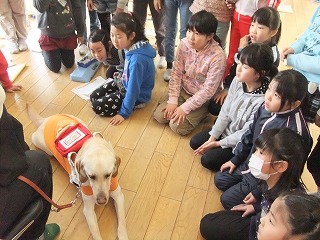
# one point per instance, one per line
(279, 167)
(281, 109)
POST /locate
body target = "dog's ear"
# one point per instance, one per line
(116, 167)
(82, 175)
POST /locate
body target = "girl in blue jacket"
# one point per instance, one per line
(133, 88)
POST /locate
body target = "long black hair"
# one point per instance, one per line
(128, 23)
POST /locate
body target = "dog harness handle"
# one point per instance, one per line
(45, 196)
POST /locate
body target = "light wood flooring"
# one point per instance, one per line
(166, 189)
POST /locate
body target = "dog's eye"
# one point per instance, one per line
(107, 175)
(93, 177)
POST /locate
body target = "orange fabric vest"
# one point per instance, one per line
(52, 129)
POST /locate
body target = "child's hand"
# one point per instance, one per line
(169, 110)
(14, 88)
(230, 5)
(244, 41)
(221, 96)
(248, 209)
(227, 165)
(285, 52)
(116, 120)
(211, 143)
(178, 116)
(249, 199)
(90, 5)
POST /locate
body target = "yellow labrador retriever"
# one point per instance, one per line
(94, 167)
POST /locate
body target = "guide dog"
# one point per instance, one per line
(94, 167)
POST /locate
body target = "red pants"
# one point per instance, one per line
(240, 25)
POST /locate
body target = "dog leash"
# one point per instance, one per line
(57, 207)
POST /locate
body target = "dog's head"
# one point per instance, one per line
(97, 163)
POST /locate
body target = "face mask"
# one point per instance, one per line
(255, 166)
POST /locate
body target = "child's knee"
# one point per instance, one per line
(182, 129)
(158, 115)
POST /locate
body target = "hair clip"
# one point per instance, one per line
(132, 19)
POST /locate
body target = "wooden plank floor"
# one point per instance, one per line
(166, 189)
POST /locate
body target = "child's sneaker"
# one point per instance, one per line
(51, 231)
(13, 47)
(167, 75)
(162, 62)
(83, 49)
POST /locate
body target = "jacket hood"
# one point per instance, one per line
(143, 48)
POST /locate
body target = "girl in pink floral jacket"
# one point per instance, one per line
(195, 77)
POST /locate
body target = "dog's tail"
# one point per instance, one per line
(35, 118)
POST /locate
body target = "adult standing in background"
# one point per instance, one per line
(222, 13)
(105, 8)
(94, 25)
(14, 23)
(171, 8)
(140, 10)
(61, 25)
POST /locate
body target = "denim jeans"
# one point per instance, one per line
(171, 12)
(105, 5)
(222, 33)
(94, 21)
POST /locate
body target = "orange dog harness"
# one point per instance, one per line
(55, 126)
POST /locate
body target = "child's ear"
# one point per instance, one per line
(281, 166)
(132, 36)
(296, 104)
(274, 32)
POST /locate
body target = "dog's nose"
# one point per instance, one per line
(101, 199)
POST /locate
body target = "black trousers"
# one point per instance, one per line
(19, 195)
(225, 225)
(107, 99)
(313, 163)
(235, 186)
(214, 158)
(54, 58)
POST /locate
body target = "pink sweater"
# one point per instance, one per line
(198, 73)
(217, 7)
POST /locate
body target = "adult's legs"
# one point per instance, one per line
(21, 195)
(225, 225)
(84, 16)
(94, 21)
(185, 15)
(222, 32)
(140, 10)
(158, 19)
(171, 11)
